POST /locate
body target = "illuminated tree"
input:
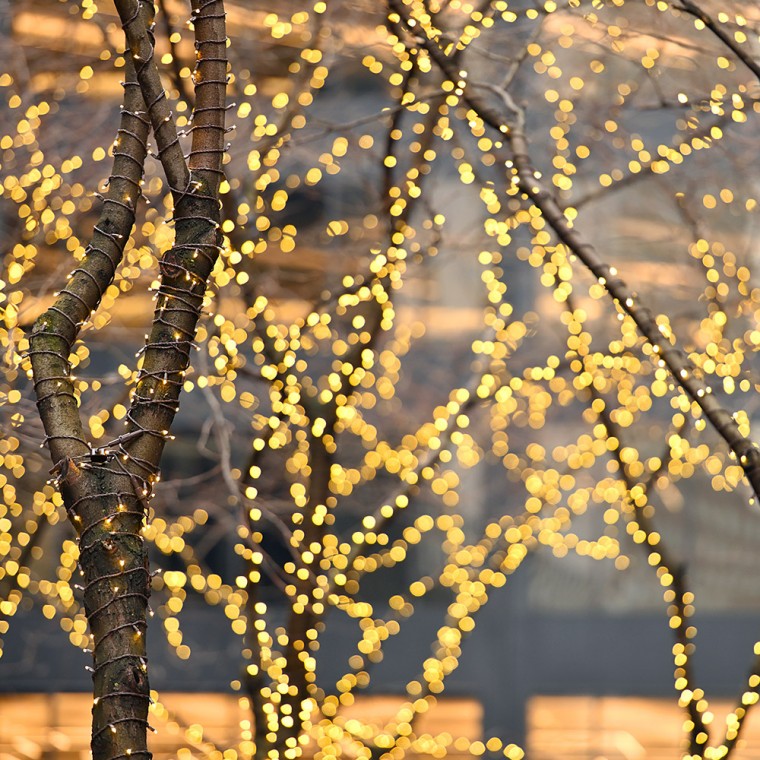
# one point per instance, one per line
(105, 489)
(457, 170)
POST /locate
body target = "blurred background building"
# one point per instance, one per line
(573, 658)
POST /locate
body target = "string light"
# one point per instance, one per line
(327, 389)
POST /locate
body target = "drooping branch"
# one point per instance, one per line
(736, 720)
(693, 9)
(525, 175)
(142, 47)
(503, 553)
(663, 344)
(704, 132)
(383, 516)
(670, 573)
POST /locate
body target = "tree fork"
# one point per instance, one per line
(99, 495)
(186, 267)
(105, 490)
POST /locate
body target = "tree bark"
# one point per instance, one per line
(105, 490)
(525, 175)
(100, 499)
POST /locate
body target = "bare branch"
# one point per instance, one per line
(526, 177)
(57, 329)
(185, 268)
(142, 46)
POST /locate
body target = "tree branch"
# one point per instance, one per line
(142, 46)
(186, 267)
(694, 10)
(525, 176)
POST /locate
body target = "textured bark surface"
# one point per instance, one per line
(105, 490)
(100, 497)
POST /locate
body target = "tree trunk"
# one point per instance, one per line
(105, 490)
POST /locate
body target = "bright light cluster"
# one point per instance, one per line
(403, 311)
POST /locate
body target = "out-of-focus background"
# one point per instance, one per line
(352, 164)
